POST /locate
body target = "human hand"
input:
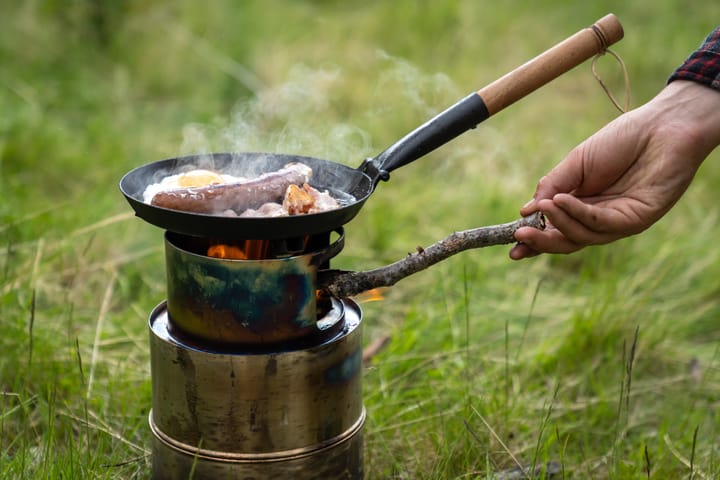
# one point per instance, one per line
(626, 176)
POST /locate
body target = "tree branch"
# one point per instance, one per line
(344, 283)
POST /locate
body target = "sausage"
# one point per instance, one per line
(269, 187)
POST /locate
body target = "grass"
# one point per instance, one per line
(491, 363)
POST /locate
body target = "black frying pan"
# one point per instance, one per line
(353, 186)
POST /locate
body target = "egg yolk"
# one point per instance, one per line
(199, 178)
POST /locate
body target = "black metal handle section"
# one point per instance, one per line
(437, 131)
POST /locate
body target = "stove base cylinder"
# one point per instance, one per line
(222, 414)
(340, 460)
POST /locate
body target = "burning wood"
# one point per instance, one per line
(279, 193)
(341, 283)
(249, 250)
(226, 251)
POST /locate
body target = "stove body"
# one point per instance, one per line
(252, 376)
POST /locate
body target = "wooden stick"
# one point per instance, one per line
(344, 283)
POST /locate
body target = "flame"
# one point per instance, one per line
(226, 251)
(374, 295)
(248, 250)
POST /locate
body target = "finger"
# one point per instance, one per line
(549, 240)
(545, 190)
(595, 218)
(574, 230)
(565, 177)
(529, 208)
(521, 250)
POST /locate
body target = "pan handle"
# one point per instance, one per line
(501, 93)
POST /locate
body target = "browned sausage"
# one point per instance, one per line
(240, 196)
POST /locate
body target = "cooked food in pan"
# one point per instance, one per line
(280, 193)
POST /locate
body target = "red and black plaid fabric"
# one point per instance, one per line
(703, 66)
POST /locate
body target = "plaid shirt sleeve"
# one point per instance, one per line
(703, 65)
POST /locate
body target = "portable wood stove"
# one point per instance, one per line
(253, 377)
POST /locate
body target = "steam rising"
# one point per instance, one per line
(301, 117)
(426, 93)
(310, 115)
(304, 116)
(291, 118)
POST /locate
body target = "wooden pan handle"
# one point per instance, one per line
(551, 64)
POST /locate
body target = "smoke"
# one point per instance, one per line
(296, 118)
(425, 93)
(344, 117)
(306, 114)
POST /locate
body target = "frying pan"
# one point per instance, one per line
(353, 186)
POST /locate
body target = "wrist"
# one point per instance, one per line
(690, 109)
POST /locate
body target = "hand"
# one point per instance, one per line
(626, 176)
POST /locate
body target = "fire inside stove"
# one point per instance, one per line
(251, 250)
(261, 249)
(246, 249)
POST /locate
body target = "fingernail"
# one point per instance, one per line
(530, 202)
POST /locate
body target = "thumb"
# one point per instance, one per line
(565, 177)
